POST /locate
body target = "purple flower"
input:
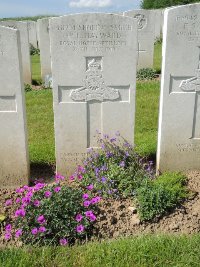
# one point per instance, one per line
(7, 236)
(26, 187)
(29, 194)
(41, 219)
(18, 200)
(103, 179)
(85, 196)
(34, 231)
(90, 187)
(96, 170)
(57, 189)
(79, 217)
(103, 146)
(59, 177)
(26, 200)
(8, 202)
(72, 178)
(36, 203)
(109, 154)
(63, 241)
(19, 190)
(42, 229)
(93, 218)
(88, 213)
(39, 186)
(20, 213)
(86, 203)
(113, 139)
(95, 200)
(122, 164)
(47, 194)
(8, 227)
(117, 133)
(105, 136)
(18, 233)
(79, 176)
(80, 228)
(81, 169)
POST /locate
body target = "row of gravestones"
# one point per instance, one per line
(94, 59)
(37, 34)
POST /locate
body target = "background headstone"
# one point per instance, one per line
(146, 35)
(158, 23)
(179, 121)
(24, 40)
(14, 163)
(94, 59)
(32, 33)
(44, 45)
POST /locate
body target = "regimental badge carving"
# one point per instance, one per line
(192, 84)
(141, 21)
(95, 87)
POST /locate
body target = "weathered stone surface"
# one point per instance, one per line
(14, 163)
(179, 121)
(32, 33)
(94, 60)
(158, 23)
(24, 40)
(146, 34)
(44, 45)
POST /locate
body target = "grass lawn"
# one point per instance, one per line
(157, 57)
(144, 251)
(36, 70)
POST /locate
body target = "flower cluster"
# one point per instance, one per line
(55, 213)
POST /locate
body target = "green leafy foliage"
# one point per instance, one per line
(34, 50)
(154, 4)
(27, 87)
(155, 197)
(146, 74)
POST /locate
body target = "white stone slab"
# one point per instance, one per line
(179, 120)
(158, 23)
(146, 33)
(32, 33)
(14, 163)
(24, 40)
(44, 45)
(94, 59)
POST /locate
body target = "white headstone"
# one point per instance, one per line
(44, 45)
(24, 40)
(146, 33)
(94, 59)
(14, 163)
(32, 33)
(158, 23)
(179, 121)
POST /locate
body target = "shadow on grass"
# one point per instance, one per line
(42, 171)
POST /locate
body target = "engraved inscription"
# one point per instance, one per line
(190, 25)
(95, 87)
(8, 104)
(193, 85)
(141, 21)
(188, 148)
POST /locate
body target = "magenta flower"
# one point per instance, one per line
(29, 194)
(63, 241)
(41, 219)
(57, 189)
(26, 187)
(42, 229)
(8, 227)
(26, 200)
(72, 178)
(19, 190)
(18, 200)
(90, 187)
(88, 213)
(39, 186)
(85, 196)
(86, 203)
(81, 169)
(79, 176)
(18, 233)
(59, 177)
(47, 194)
(8, 202)
(79, 217)
(95, 200)
(7, 236)
(93, 218)
(36, 203)
(34, 231)
(80, 228)
(20, 213)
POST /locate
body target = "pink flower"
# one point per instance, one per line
(47, 194)
(36, 203)
(88, 213)
(39, 186)
(7, 236)
(86, 203)
(93, 218)
(79, 176)
(18, 200)
(8, 202)
(20, 213)
(26, 200)
(63, 241)
(42, 229)
(85, 196)
(41, 219)
(18, 233)
(90, 187)
(34, 231)
(26, 187)
(95, 200)
(81, 169)
(80, 228)
(59, 177)
(79, 217)
(57, 189)
(72, 178)
(29, 194)
(19, 190)
(8, 227)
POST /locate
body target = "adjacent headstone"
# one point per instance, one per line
(24, 40)
(94, 59)
(146, 33)
(158, 23)
(44, 45)
(179, 121)
(14, 163)
(32, 33)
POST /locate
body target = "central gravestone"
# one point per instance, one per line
(179, 121)
(94, 59)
